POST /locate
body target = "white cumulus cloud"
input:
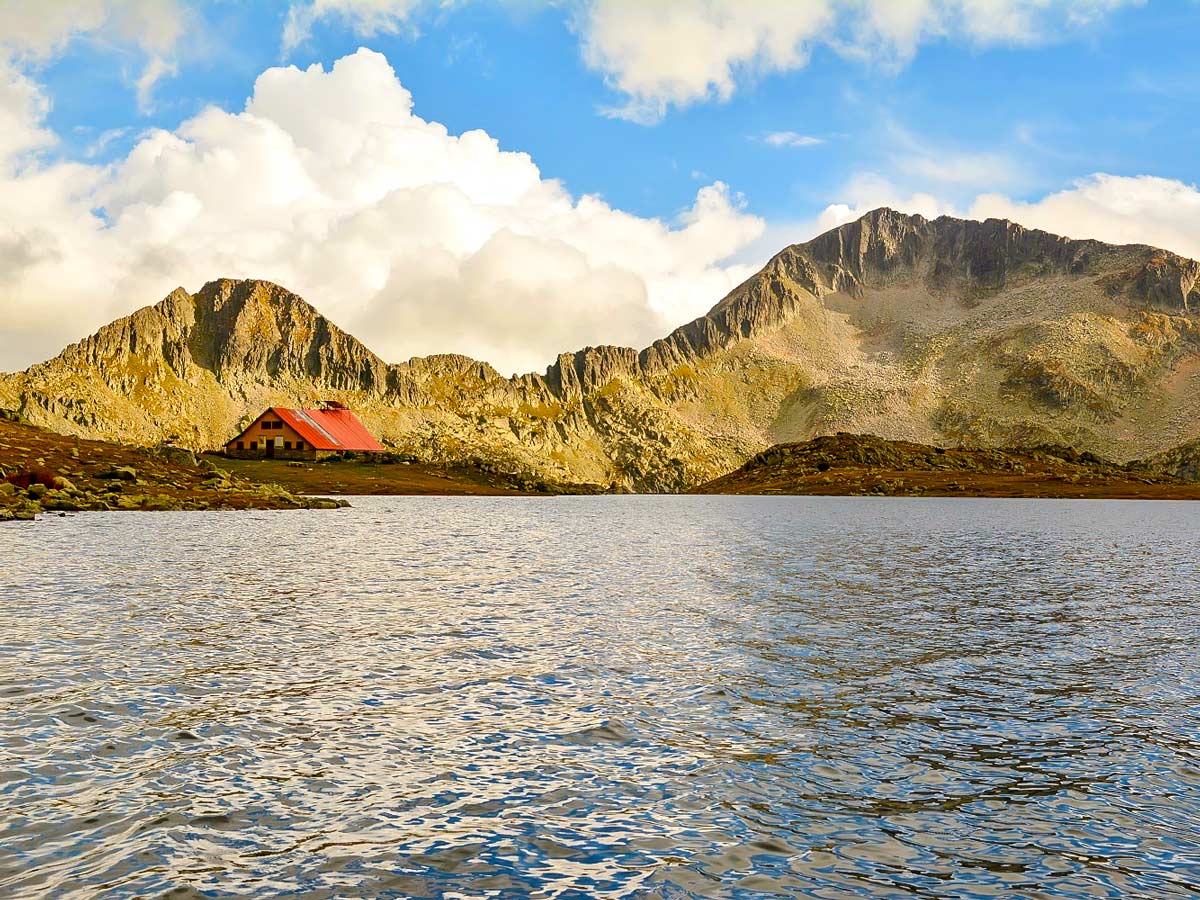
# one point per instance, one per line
(893, 30)
(36, 31)
(23, 106)
(1116, 209)
(660, 55)
(40, 29)
(416, 239)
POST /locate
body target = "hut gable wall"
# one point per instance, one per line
(268, 426)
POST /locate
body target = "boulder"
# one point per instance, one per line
(60, 502)
(180, 455)
(22, 512)
(119, 473)
(163, 503)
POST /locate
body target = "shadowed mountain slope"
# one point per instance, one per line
(944, 331)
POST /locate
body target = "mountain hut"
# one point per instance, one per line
(280, 433)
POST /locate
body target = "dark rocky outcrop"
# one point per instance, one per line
(864, 464)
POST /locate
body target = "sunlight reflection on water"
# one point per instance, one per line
(604, 696)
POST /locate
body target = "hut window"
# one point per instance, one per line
(299, 445)
(241, 445)
(287, 445)
(254, 445)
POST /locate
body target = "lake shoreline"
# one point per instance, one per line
(45, 472)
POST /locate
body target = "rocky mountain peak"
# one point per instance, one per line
(972, 258)
(242, 331)
(178, 307)
(948, 256)
(969, 256)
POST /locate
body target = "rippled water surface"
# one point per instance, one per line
(604, 697)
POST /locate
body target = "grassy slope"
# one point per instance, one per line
(359, 476)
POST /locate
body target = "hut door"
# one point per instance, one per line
(270, 445)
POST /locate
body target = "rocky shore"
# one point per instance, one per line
(44, 472)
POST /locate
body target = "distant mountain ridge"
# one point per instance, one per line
(939, 331)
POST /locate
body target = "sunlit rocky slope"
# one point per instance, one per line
(944, 331)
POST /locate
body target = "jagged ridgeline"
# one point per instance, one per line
(944, 331)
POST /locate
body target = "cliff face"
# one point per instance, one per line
(943, 331)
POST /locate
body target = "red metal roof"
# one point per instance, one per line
(329, 429)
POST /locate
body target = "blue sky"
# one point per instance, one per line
(1119, 97)
(754, 124)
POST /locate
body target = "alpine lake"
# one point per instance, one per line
(611, 696)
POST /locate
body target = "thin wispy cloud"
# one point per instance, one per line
(156, 69)
(105, 139)
(791, 139)
(366, 18)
